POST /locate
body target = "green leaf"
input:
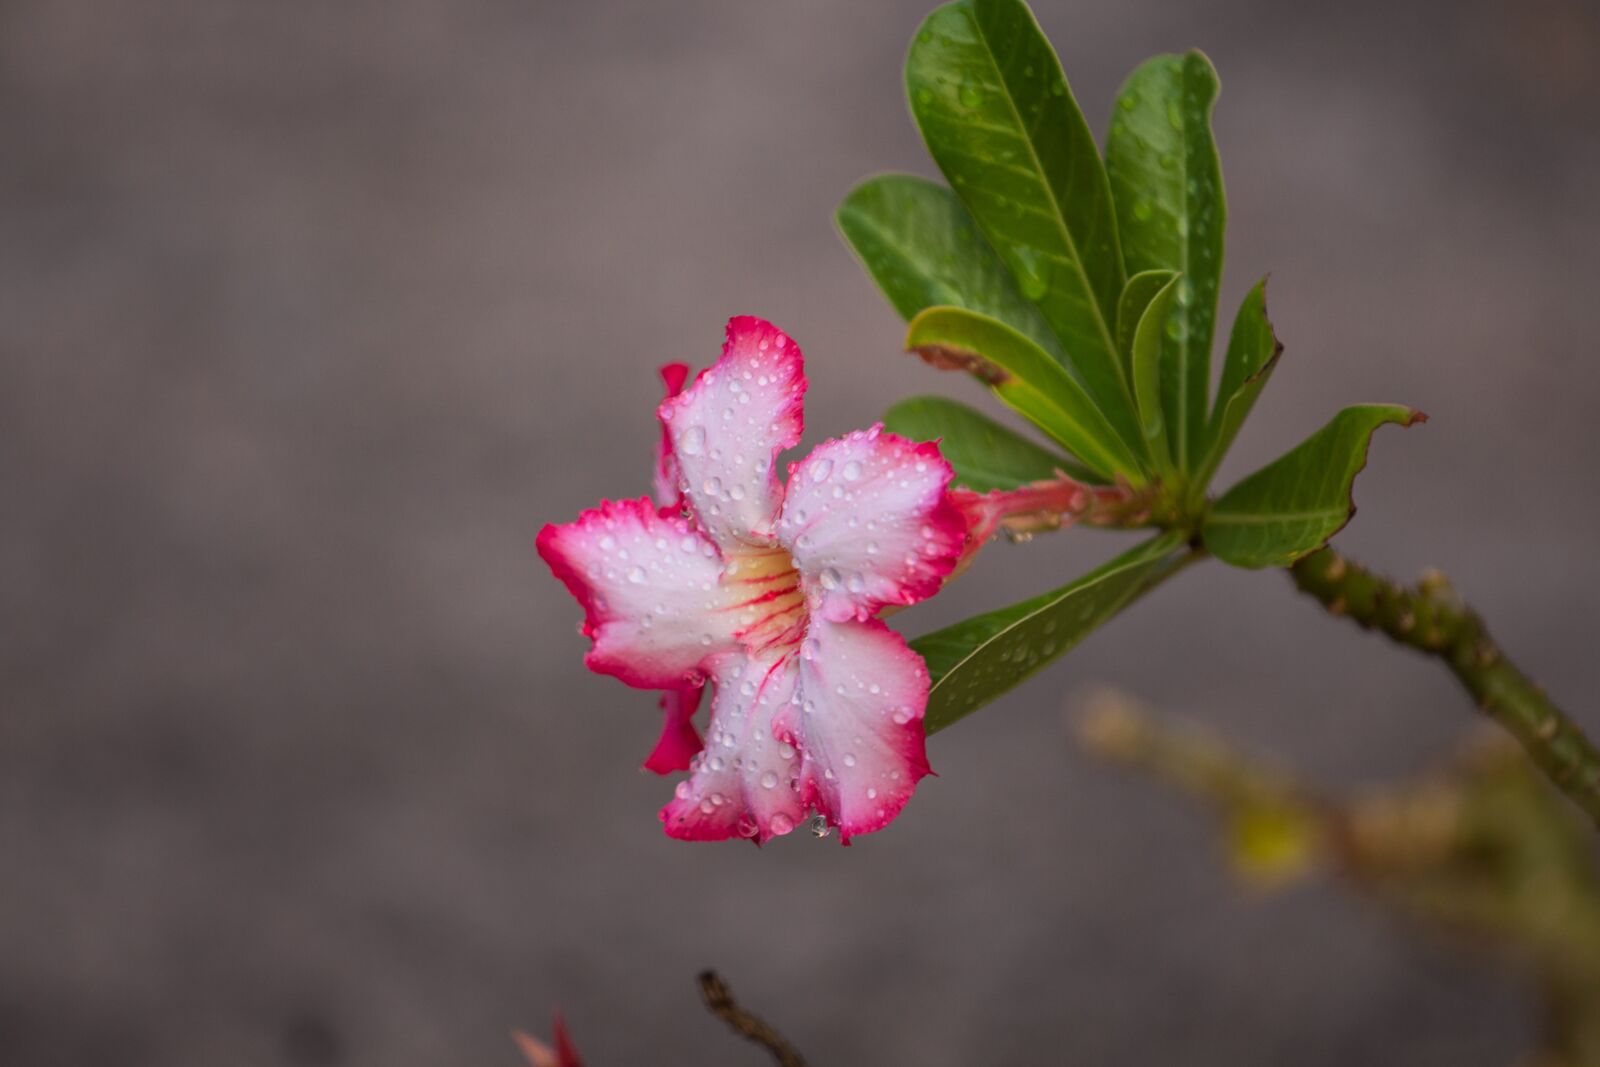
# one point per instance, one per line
(923, 250)
(976, 660)
(1136, 296)
(1167, 184)
(1147, 372)
(1291, 506)
(1253, 351)
(988, 94)
(985, 454)
(1026, 378)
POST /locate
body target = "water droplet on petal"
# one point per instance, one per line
(636, 575)
(852, 470)
(821, 469)
(692, 441)
(781, 824)
(769, 780)
(849, 759)
(829, 578)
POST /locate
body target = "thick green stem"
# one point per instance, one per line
(1431, 618)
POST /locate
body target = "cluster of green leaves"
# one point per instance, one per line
(1081, 289)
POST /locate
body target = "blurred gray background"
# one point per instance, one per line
(312, 313)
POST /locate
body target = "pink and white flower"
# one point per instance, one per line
(770, 590)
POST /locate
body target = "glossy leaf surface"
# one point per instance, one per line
(1166, 181)
(987, 92)
(1025, 377)
(985, 454)
(980, 658)
(923, 250)
(1253, 351)
(1147, 373)
(1136, 296)
(1291, 506)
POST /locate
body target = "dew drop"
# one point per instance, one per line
(781, 824)
(693, 441)
(829, 578)
(1033, 273)
(849, 759)
(821, 469)
(636, 575)
(769, 780)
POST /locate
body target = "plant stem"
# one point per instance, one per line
(1431, 618)
(719, 999)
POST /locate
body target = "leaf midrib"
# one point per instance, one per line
(1256, 518)
(1050, 193)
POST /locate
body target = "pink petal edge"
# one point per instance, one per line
(727, 429)
(643, 580)
(870, 522)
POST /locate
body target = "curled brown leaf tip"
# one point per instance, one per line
(942, 357)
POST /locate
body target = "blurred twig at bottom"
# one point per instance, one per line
(1484, 848)
(719, 999)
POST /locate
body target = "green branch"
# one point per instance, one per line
(1431, 618)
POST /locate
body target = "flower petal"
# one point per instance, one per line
(538, 1054)
(649, 588)
(859, 723)
(728, 427)
(746, 782)
(668, 481)
(679, 740)
(869, 521)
